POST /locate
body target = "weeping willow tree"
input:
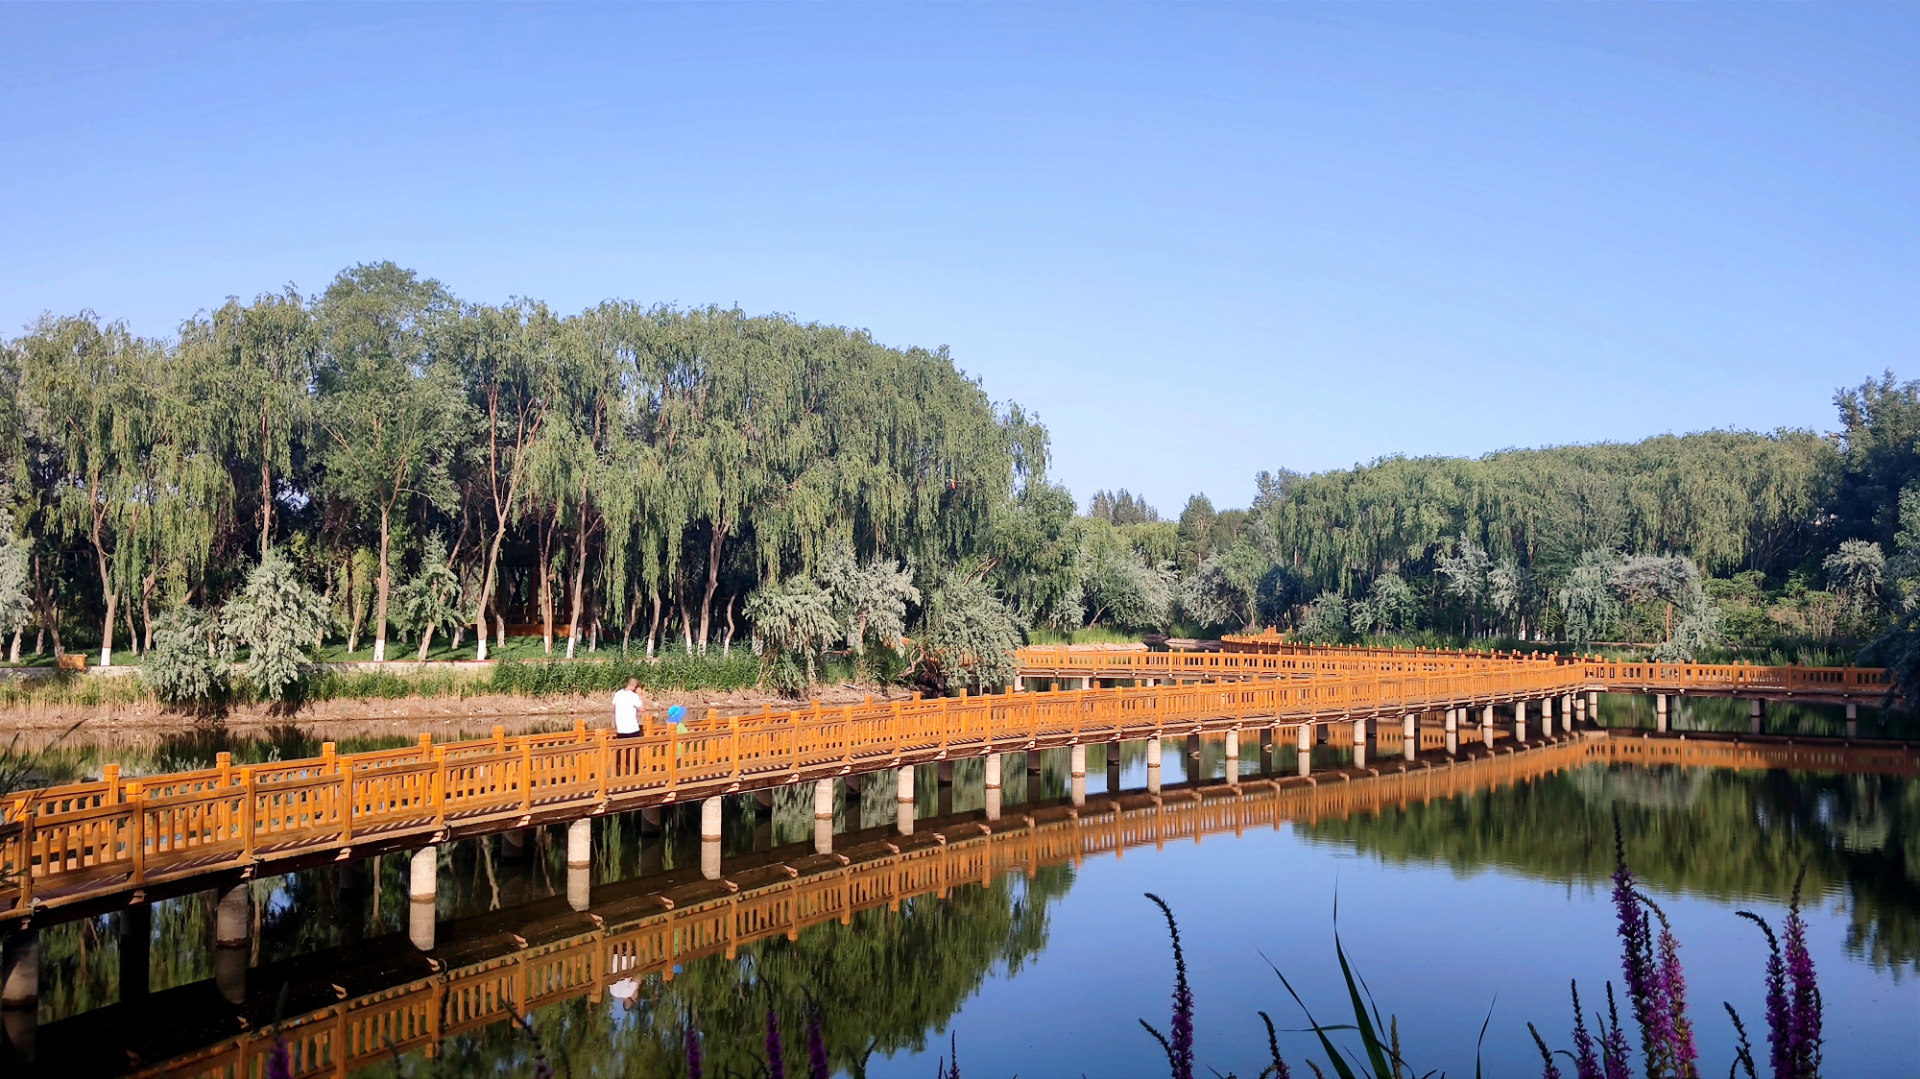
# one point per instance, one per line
(629, 469)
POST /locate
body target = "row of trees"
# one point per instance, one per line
(419, 463)
(384, 458)
(1679, 542)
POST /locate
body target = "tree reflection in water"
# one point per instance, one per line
(1723, 835)
(886, 983)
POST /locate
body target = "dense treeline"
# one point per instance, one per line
(382, 458)
(1790, 543)
(305, 476)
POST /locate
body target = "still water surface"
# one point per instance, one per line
(1488, 903)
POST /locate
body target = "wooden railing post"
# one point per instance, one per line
(526, 774)
(439, 790)
(247, 814)
(605, 755)
(137, 830)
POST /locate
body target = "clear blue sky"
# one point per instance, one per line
(1199, 241)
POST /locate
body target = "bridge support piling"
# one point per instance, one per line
(1409, 737)
(233, 942)
(710, 833)
(1853, 721)
(513, 845)
(763, 819)
(993, 786)
(1546, 717)
(1153, 765)
(1113, 767)
(1359, 743)
(1486, 726)
(1755, 714)
(20, 990)
(1519, 721)
(1077, 771)
(903, 799)
(823, 815)
(1233, 757)
(136, 947)
(580, 864)
(1303, 747)
(1660, 712)
(423, 887)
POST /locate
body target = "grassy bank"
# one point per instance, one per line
(519, 677)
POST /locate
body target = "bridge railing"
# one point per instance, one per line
(1861, 682)
(423, 1012)
(128, 832)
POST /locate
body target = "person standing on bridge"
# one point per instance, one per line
(627, 705)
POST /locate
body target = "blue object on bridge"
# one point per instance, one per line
(677, 714)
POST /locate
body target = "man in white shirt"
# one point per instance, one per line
(626, 710)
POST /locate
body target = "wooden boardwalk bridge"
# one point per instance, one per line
(360, 1005)
(115, 842)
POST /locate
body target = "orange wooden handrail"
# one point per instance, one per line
(83, 840)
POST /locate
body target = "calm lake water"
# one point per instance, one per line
(1488, 903)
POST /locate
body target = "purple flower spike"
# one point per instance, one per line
(693, 1053)
(1586, 1062)
(817, 1067)
(1803, 1021)
(1180, 1047)
(1671, 983)
(1614, 1051)
(280, 1061)
(1779, 1011)
(776, 1056)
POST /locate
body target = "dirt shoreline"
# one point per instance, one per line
(146, 724)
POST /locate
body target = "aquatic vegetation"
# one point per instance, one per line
(1180, 1048)
(776, 1053)
(1656, 989)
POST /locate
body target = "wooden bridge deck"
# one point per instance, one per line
(114, 840)
(506, 965)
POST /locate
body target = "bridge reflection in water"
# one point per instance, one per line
(365, 1005)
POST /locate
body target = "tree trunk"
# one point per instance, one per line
(381, 588)
(13, 650)
(266, 497)
(133, 633)
(146, 609)
(546, 582)
(579, 582)
(653, 631)
(726, 643)
(714, 547)
(686, 623)
(486, 594)
(626, 625)
(426, 641)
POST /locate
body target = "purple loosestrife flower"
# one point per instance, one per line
(1586, 1063)
(1547, 1070)
(1615, 1053)
(1180, 1047)
(1779, 1011)
(1803, 1024)
(1636, 956)
(1277, 1069)
(1671, 986)
(693, 1053)
(280, 1060)
(953, 1063)
(776, 1056)
(817, 1067)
